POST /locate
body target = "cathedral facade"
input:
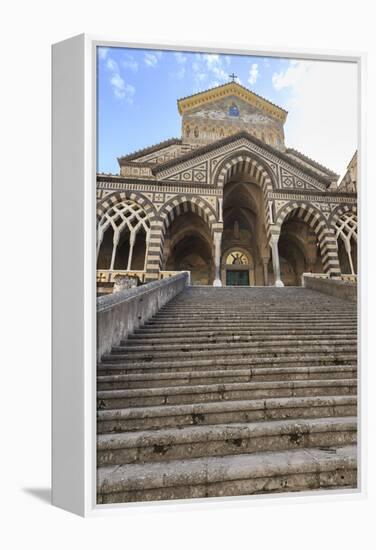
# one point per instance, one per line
(228, 202)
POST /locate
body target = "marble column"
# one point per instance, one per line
(132, 240)
(348, 250)
(146, 249)
(217, 259)
(114, 247)
(99, 241)
(265, 262)
(275, 259)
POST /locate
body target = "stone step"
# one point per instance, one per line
(236, 344)
(244, 474)
(225, 314)
(249, 305)
(268, 327)
(224, 439)
(256, 410)
(121, 353)
(226, 364)
(265, 319)
(130, 381)
(178, 335)
(245, 305)
(152, 343)
(178, 395)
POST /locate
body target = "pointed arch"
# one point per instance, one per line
(346, 230)
(339, 211)
(245, 162)
(125, 219)
(182, 204)
(324, 233)
(119, 196)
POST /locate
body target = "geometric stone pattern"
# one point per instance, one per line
(183, 176)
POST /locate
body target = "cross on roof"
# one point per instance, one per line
(233, 76)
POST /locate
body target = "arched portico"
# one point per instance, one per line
(187, 234)
(324, 235)
(246, 214)
(124, 228)
(346, 227)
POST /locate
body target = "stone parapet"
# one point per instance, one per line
(118, 315)
(334, 287)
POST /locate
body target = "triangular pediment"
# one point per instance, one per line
(200, 166)
(234, 92)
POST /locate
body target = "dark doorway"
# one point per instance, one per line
(237, 278)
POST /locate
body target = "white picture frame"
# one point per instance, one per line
(74, 258)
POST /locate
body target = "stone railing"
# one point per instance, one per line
(335, 287)
(344, 277)
(167, 274)
(121, 313)
(109, 275)
(350, 278)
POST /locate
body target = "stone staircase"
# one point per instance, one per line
(231, 391)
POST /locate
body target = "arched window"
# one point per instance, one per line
(127, 221)
(346, 233)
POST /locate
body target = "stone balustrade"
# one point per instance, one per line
(341, 288)
(121, 313)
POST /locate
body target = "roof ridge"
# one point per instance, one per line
(237, 84)
(203, 149)
(150, 149)
(312, 161)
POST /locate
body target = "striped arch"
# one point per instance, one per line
(110, 200)
(176, 206)
(244, 162)
(325, 235)
(181, 205)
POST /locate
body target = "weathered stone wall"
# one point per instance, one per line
(120, 314)
(333, 287)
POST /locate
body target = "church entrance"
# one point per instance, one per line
(244, 242)
(237, 278)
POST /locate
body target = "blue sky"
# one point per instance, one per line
(138, 89)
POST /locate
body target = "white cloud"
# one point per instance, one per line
(180, 57)
(102, 52)
(180, 74)
(322, 105)
(253, 73)
(151, 59)
(121, 89)
(214, 65)
(130, 63)
(112, 65)
(208, 69)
